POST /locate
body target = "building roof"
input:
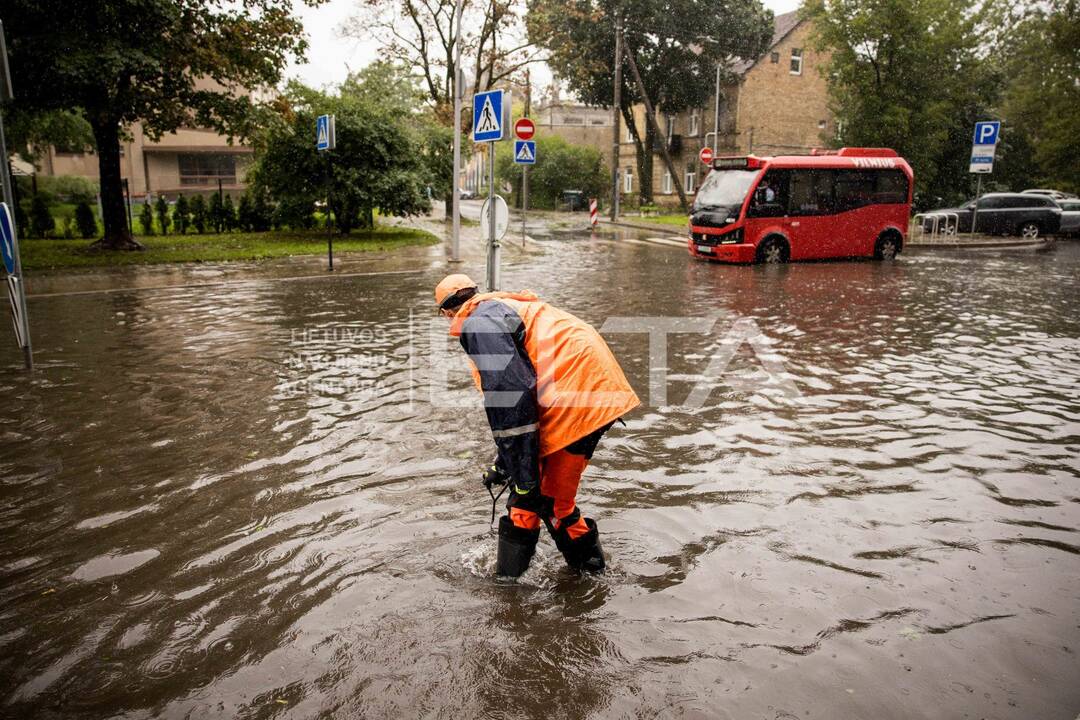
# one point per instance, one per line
(782, 25)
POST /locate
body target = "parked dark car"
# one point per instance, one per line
(1028, 215)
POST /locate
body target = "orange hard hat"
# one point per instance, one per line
(450, 285)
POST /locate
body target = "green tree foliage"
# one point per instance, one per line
(377, 164)
(677, 45)
(906, 74)
(1042, 95)
(146, 217)
(181, 215)
(85, 220)
(117, 62)
(30, 133)
(42, 223)
(161, 209)
(199, 214)
(559, 166)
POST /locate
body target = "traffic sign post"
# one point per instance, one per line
(9, 237)
(524, 154)
(983, 147)
(325, 140)
(489, 125)
(706, 155)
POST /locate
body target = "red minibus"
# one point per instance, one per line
(852, 202)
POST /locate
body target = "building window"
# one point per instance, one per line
(573, 120)
(774, 58)
(691, 177)
(629, 134)
(628, 180)
(695, 122)
(821, 124)
(207, 169)
(667, 182)
(796, 61)
(596, 121)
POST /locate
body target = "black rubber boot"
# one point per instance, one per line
(516, 548)
(585, 552)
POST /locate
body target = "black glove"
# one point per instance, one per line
(495, 475)
(530, 500)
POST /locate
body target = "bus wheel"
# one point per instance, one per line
(887, 248)
(772, 252)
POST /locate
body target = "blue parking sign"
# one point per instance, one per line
(986, 132)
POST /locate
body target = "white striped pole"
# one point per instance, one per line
(594, 218)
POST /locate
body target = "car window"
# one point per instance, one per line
(1073, 205)
(991, 202)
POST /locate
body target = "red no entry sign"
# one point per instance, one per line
(706, 155)
(524, 129)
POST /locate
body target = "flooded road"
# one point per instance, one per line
(262, 499)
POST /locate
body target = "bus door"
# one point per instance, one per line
(812, 214)
(768, 208)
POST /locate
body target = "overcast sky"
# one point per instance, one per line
(331, 57)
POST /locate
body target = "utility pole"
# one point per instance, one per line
(525, 168)
(656, 128)
(616, 112)
(716, 114)
(458, 86)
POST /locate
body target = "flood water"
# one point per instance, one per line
(261, 499)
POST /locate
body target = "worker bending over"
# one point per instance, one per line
(551, 389)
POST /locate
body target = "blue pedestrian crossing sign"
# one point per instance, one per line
(986, 132)
(525, 152)
(325, 135)
(488, 116)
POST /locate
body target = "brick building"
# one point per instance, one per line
(778, 105)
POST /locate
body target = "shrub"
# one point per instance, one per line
(243, 214)
(199, 217)
(146, 217)
(85, 220)
(161, 209)
(216, 213)
(261, 212)
(41, 219)
(181, 215)
(228, 214)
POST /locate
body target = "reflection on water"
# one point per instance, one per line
(241, 502)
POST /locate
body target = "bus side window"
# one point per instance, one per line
(812, 192)
(771, 195)
(854, 189)
(892, 187)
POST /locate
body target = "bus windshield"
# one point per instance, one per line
(724, 189)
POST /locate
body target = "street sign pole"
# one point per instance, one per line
(459, 93)
(525, 169)
(493, 240)
(975, 209)
(325, 141)
(983, 148)
(22, 319)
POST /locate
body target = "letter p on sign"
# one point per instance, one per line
(986, 133)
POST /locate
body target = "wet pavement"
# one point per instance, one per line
(241, 496)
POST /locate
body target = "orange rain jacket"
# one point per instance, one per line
(548, 377)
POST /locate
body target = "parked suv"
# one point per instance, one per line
(1028, 215)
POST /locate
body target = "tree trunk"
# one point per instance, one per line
(113, 210)
(647, 165)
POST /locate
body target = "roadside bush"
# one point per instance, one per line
(161, 209)
(199, 217)
(295, 214)
(181, 215)
(260, 212)
(228, 214)
(22, 220)
(85, 220)
(243, 214)
(66, 188)
(216, 213)
(146, 217)
(42, 223)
